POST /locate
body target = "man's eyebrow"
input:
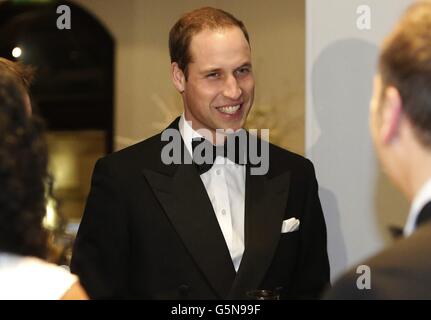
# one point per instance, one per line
(245, 65)
(210, 70)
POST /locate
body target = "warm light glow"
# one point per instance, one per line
(50, 220)
(16, 52)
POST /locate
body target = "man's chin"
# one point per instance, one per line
(231, 125)
(230, 128)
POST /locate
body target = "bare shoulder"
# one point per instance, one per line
(75, 292)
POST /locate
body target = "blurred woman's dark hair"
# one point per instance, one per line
(23, 172)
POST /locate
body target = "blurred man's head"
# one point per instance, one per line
(24, 75)
(211, 68)
(400, 110)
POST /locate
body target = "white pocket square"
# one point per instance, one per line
(290, 225)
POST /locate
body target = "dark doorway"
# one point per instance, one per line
(73, 89)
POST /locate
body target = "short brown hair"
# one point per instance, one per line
(405, 63)
(23, 73)
(192, 23)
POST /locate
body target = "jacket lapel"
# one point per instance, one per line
(265, 205)
(185, 201)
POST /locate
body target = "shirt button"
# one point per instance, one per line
(218, 172)
(223, 212)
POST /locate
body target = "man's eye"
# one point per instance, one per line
(213, 75)
(243, 71)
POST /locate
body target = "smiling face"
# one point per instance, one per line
(219, 90)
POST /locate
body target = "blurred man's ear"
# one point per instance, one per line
(392, 114)
(178, 77)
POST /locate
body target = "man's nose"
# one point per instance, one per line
(232, 89)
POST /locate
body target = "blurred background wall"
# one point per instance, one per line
(360, 205)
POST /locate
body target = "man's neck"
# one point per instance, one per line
(216, 137)
(419, 172)
(417, 188)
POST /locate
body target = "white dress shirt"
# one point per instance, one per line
(420, 200)
(225, 185)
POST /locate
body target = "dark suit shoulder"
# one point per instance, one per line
(411, 253)
(283, 159)
(145, 154)
(135, 157)
(402, 271)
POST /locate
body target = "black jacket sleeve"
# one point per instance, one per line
(313, 264)
(100, 250)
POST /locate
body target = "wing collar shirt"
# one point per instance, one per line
(225, 186)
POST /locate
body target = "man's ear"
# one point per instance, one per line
(392, 115)
(178, 77)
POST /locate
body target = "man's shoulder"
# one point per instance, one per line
(401, 271)
(281, 159)
(143, 154)
(408, 253)
(280, 152)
